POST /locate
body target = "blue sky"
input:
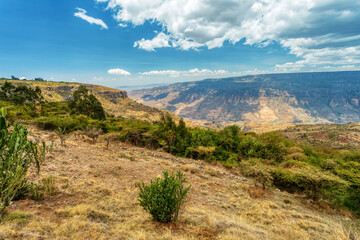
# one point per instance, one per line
(136, 42)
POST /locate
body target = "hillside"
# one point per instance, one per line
(96, 198)
(270, 98)
(328, 135)
(256, 186)
(114, 101)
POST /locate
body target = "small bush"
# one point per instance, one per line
(257, 192)
(62, 134)
(49, 185)
(36, 191)
(162, 198)
(93, 133)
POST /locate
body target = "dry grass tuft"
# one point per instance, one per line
(257, 192)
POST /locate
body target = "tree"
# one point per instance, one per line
(6, 91)
(20, 94)
(86, 104)
(176, 136)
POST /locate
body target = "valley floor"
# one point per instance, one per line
(96, 198)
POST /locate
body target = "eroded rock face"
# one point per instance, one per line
(276, 98)
(113, 96)
(65, 92)
(64, 88)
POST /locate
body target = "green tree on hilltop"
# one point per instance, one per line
(20, 94)
(86, 104)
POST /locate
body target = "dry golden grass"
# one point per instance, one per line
(96, 198)
(257, 192)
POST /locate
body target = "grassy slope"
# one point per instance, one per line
(329, 135)
(126, 108)
(96, 199)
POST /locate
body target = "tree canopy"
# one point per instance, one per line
(19, 94)
(87, 104)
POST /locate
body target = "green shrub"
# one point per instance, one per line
(200, 152)
(87, 104)
(19, 94)
(49, 185)
(36, 191)
(62, 134)
(162, 198)
(17, 154)
(259, 171)
(314, 182)
(54, 122)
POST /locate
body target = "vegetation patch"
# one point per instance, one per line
(163, 198)
(321, 173)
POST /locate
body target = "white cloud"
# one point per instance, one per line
(124, 25)
(22, 78)
(82, 14)
(164, 72)
(191, 72)
(118, 71)
(98, 78)
(317, 31)
(160, 41)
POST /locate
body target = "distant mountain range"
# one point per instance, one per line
(138, 87)
(319, 97)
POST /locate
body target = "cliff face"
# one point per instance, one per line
(63, 92)
(275, 98)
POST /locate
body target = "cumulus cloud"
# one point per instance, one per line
(191, 72)
(160, 41)
(118, 71)
(317, 31)
(163, 72)
(82, 14)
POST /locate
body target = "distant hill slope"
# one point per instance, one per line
(269, 98)
(114, 101)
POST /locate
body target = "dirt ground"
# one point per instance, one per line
(96, 198)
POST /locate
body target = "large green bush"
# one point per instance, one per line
(19, 94)
(86, 103)
(311, 181)
(162, 198)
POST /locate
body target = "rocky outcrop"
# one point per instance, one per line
(113, 96)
